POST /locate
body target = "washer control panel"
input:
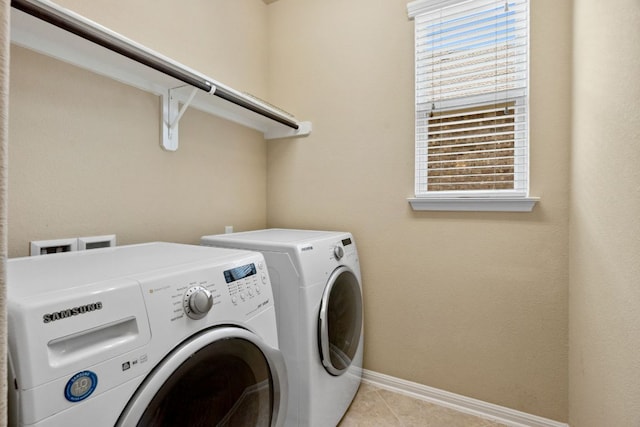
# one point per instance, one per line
(245, 282)
(237, 289)
(197, 302)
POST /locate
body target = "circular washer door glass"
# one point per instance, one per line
(226, 383)
(340, 321)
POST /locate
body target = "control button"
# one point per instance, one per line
(264, 278)
(234, 300)
(261, 265)
(257, 289)
(250, 292)
(197, 302)
(338, 252)
(242, 297)
(80, 386)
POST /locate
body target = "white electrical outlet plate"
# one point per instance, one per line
(95, 242)
(46, 247)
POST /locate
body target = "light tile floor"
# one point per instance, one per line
(376, 407)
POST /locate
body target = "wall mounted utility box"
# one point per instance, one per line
(46, 247)
(96, 242)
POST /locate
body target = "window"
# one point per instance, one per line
(472, 81)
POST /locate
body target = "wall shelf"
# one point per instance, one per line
(49, 29)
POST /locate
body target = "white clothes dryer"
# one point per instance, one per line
(318, 293)
(156, 334)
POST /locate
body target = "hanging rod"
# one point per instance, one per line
(68, 23)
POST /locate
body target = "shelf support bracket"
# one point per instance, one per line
(171, 115)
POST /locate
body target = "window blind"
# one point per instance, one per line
(471, 97)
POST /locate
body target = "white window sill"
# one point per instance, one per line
(478, 204)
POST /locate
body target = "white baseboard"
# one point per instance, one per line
(488, 411)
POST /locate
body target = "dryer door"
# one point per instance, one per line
(340, 321)
(220, 377)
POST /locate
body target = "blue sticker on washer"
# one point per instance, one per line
(80, 386)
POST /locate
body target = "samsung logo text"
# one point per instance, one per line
(70, 312)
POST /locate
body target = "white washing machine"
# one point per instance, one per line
(317, 288)
(157, 334)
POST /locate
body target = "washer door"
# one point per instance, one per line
(340, 321)
(219, 377)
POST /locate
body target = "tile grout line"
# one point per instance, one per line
(390, 408)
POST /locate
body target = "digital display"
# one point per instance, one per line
(346, 242)
(239, 272)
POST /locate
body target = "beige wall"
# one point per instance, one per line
(85, 156)
(5, 8)
(473, 303)
(604, 380)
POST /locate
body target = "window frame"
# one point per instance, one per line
(516, 200)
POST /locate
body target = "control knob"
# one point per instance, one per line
(197, 302)
(338, 252)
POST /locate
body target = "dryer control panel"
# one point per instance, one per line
(344, 246)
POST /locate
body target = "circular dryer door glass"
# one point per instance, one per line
(226, 383)
(340, 322)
